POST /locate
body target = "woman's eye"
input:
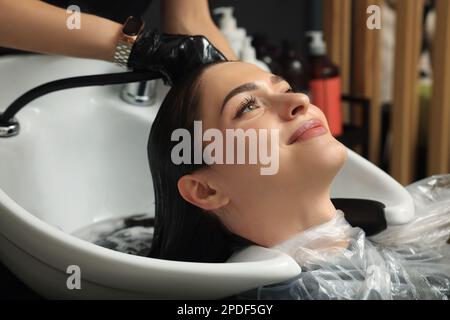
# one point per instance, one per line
(248, 108)
(289, 90)
(248, 105)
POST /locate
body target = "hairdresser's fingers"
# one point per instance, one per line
(172, 55)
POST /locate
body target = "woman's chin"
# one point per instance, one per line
(334, 152)
(322, 153)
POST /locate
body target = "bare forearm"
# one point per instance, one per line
(193, 17)
(35, 26)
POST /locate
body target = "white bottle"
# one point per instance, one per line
(228, 25)
(248, 54)
(317, 47)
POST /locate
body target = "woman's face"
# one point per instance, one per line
(238, 95)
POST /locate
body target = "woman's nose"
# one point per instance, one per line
(293, 105)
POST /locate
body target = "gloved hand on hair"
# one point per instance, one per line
(171, 55)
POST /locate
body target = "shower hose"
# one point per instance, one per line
(75, 82)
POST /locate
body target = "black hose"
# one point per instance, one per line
(74, 82)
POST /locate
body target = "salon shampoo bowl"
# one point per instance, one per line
(80, 158)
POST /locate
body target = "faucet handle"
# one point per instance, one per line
(140, 93)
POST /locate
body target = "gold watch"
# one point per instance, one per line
(130, 31)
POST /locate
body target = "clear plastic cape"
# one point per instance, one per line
(410, 261)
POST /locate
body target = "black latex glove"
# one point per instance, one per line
(171, 55)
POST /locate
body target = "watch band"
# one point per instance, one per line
(130, 31)
(122, 54)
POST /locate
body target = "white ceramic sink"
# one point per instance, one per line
(81, 157)
(81, 153)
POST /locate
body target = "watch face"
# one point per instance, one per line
(132, 26)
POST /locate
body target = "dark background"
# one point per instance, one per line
(278, 20)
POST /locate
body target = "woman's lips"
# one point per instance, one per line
(309, 129)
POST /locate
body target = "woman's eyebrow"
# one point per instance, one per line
(274, 79)
(242, 88)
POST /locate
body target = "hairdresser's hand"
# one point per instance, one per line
(172, 55)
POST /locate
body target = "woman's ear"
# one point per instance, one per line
(194, 188)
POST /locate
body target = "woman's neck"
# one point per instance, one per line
(323, 242)
(311, 211)
(269, 223)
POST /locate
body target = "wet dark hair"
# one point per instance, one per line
(183, 231)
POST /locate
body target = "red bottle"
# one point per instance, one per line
(325, 83)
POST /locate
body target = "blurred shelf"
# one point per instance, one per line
(353, 136)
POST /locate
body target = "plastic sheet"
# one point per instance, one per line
(431, 226)
(403, 262)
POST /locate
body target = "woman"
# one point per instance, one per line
(206, 212)
(263, 209)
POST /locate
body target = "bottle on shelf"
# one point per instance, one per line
(266, 53)
(248, 54)
(228, 26)
(325, 82)
(294, 68)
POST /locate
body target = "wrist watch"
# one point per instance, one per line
(130, 31)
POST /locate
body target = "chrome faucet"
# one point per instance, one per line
(139, 93)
